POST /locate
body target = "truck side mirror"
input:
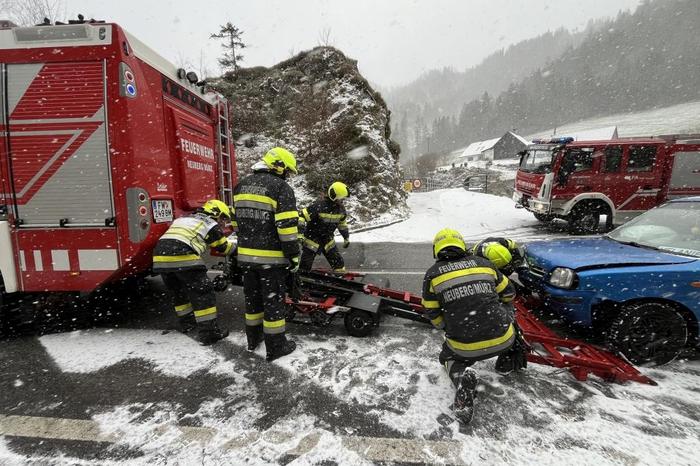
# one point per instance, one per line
(522, 154)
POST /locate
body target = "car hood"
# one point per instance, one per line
(595, 253)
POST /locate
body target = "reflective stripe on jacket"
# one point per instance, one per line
(266, 219)
(465, 296)
(321, 219)
(186, 239)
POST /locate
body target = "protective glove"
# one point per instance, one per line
(293, 264)
(346, 243)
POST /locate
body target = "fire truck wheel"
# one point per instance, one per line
(649, 333)
(17, 315)
(359, 323)
(584, 218)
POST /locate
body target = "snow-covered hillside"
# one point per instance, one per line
(678, 119)
(318, 105)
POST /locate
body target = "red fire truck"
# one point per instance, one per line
(102, 143)
(581, 181)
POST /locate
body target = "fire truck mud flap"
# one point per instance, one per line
(8, 272)
(364, 302)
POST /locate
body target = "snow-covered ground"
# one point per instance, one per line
(472, 214)
(678, 119)
(542, 416)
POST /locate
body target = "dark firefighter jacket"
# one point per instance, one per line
(266, 219)
(462, 295)
(181, 246)
(319, 222)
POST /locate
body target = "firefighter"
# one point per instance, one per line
(177, 257)
(266, 219)
(462, 295)
(319, 222)
(505, 253)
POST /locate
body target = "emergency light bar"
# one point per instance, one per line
(561, 140)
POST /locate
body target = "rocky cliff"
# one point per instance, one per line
(319, 106)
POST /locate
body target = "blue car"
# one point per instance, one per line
(639, 285)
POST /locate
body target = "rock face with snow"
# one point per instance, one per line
(319, 106)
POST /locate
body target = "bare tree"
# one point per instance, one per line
(231, 36)
(202, 65)
(181, 61)
(324, 37)
(31, 12)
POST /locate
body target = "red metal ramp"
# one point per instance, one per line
(580, 358)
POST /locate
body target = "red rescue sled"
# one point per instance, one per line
(321, 296)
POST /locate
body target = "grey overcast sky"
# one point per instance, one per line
(394, 41)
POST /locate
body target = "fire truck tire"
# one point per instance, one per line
(649, 333)
(544, 217)
(17, 315)
(584, 218)
(359, 323)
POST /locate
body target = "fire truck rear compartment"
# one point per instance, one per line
(58, 149)
(59, 200)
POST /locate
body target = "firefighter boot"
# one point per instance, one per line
(209, 332)
(463, 406)
(277, 346)
(505, 363)
(513, 359)
(254, 334)
(186, 323)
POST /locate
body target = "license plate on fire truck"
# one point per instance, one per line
(163, 211)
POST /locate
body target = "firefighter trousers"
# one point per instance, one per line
(328, 248)
(192, 292)
(456, 365)
(264, 291)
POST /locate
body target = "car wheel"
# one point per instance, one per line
(359, 323)
(544, 217)
(584, 219)
(649, 333)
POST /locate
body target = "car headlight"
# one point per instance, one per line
(562, 277)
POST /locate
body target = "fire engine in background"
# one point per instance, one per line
(620, 178)
(102, 143)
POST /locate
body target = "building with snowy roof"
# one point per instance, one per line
(504, 147)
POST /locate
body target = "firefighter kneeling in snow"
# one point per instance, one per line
(463, 294)
(177, 257)
(266, 219)
(320, 221)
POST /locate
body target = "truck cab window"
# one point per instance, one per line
(613, 159)
(641, 158)
(578, 160)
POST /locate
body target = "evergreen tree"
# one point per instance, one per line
(231, 36)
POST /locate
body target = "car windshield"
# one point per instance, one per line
(673, 227)
(537, 161)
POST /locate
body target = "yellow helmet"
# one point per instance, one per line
(216, 209)
(279, 160)
(445, 238)
(338, 191)
(498, 254)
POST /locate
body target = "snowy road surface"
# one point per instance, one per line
(140, 394)
(473, 214)
(136, 392)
